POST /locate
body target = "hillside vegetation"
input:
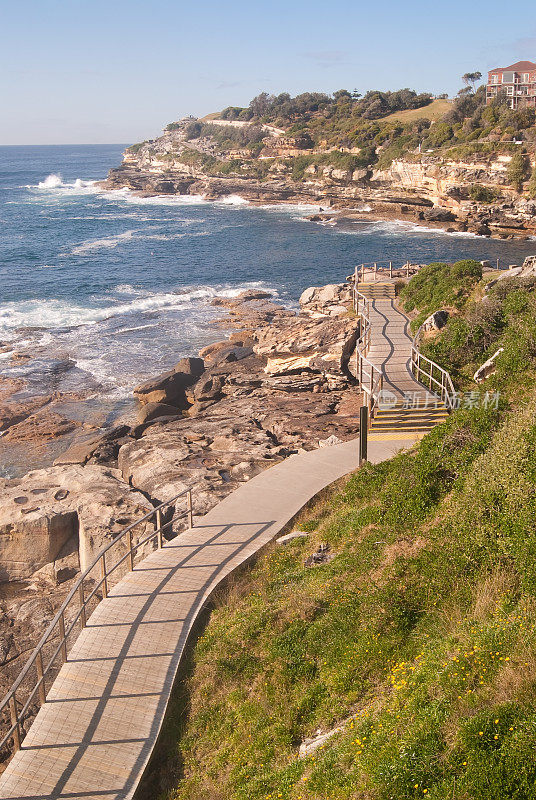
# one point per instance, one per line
(369, 131)
(418, 638)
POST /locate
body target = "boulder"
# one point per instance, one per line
(326, 298)
(436, 321)
(438, 215)
(321, 345)
(84, 447)
(169, 387)
(150, 411)
(191, 366)
(208, 388)
(40, 513)
(341, 174)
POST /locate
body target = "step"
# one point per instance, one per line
(404, 423)
(410, 426)
(387, 415)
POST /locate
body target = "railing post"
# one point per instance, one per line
(130, 551)
(103, 576)
(363, 432)
(83, 620)
(390, 269)
(40, 677)
(61, 623)
(14, 722)
(159, 526)
(375, 271)
(407, 269)
(190, 509)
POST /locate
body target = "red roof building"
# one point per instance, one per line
(516, 82)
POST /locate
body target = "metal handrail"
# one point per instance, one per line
(36, 658)
(382, 266)
(444, 384)
(371, 382)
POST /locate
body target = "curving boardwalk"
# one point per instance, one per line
(391, 347)
(94, 736)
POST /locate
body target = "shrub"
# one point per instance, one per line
(482, 194)
(517, 171)
(532, 184)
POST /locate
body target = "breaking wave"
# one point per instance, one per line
(56, 314)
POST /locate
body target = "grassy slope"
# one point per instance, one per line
(434, 112)
(420, 635)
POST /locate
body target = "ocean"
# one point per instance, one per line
(101, 289)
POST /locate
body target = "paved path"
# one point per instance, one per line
(93, 737)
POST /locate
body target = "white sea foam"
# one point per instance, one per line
(54, 183)
(368, 227)
(98, 244)
(51, 182)
(53, 314)
(233, 200)
(156, 200)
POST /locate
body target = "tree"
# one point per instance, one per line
(471, 78)
(342, 94)
(260, 104)
(517, 171)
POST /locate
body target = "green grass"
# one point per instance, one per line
(434, 112)
(418, 638)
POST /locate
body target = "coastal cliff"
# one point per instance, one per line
(465, 188)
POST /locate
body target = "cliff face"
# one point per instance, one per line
(428, 188)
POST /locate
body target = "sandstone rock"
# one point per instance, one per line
(438, 215)
(83, 448)
(211, 350)
(191, 366)
(169, 388)
(436, 321)
(341, 174)
(150, 411)
(321, 345)
(208, 388)
(330, 299)
(40, 512)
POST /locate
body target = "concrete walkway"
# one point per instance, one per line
(94, 736)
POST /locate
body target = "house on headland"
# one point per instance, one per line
(516, 82)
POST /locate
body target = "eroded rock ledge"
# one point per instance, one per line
(280, 383)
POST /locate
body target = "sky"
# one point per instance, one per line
(105, 71)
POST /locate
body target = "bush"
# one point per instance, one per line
(517, 171)
(438, 284)
(532, 184)
(482, 194)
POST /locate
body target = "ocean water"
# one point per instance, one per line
(102, 289)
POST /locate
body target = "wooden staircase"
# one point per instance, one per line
(380, 290)
(399, 421)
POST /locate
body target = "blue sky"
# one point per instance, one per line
(93, 71)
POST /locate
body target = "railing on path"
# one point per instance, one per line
(385, 269)
(370, 377)
(431, 374)
(54, 642)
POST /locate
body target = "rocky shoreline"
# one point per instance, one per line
(361, 198)
(281, 383)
